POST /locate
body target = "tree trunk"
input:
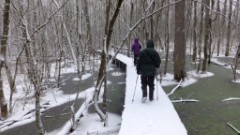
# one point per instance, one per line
(3, 103)
(237, 22)
(167, 42)
(223, 21)
(194, 57)
(235, 63)
(4, 62)
(228, 44)
(102, 70)
(180, 42)
(210, 32)
(220, 26)
(200, 38)
(34, 75)
(206, 36)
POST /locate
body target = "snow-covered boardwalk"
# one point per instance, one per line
(150, 118)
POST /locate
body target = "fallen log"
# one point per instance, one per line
(234, 128)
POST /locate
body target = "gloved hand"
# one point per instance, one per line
(138, 72)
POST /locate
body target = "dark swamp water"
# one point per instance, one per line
(211, 115)
(116, 93)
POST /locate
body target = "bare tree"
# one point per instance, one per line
(167, 39)
(179, 43)
(206, 35)
(3, 61)
(229, 30)
(223, 21)
(220, 27)
(194, 57)
(210, 30)
(103, 65)
(235, 63)
(200, 38)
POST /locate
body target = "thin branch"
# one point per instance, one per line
(232, 98)
(234, 128)
(184, 100)
(150, 5)
(175, 88)
(156, 11)
(49, 19)
(214, 11)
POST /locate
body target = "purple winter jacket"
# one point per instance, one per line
(136, 47)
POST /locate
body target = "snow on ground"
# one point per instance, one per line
(226, 65)
(150, 118)
(90, 124)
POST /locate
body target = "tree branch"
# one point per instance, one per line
(216, 12)
(184, 100)
(49, 19)
(234, 128)
(175, 88)
(232, 98)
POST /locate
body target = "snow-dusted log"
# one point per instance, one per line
(231, 98)
(26, 116)
(78, 114)
(109, 131)
(184, 100)
(234, 128)
(175, 88)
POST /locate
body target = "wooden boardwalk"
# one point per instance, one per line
(150, 118)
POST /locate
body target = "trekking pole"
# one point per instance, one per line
(135, 89)
(157, 87)
(158, 80)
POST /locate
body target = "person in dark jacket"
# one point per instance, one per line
(136, 48)
(147, 63)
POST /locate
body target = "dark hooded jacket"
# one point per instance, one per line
(148, 60)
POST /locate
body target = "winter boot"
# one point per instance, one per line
(144, 99)
(151, 94)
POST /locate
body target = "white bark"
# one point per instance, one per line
(234, 128)
(184, 100)
(231, 98)
(68, 36)
(175, 88)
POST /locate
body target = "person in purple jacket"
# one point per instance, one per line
(136, 48)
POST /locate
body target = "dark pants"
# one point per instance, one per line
(135, 59)
(147, 81)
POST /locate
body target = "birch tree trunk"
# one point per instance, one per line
(34, 71)
(105, 94)
(78, 37)
(102, 70)
(34, 76)
(89, 34)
